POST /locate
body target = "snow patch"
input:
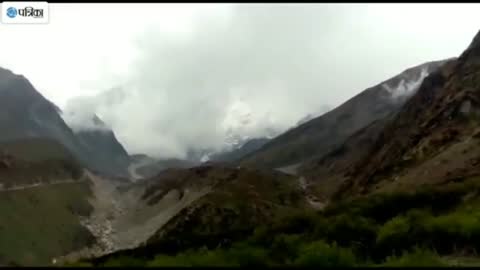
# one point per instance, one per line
(406, 87)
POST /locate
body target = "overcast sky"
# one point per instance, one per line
(191, 72)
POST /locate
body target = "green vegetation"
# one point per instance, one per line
(432, 226)
(38, 224)
(416, 258)
(321, 254)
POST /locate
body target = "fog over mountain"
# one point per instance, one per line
(238, 70)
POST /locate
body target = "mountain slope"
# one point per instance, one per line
(325, 174)
(239, 152)
(26, 114)
(433, 139)
(324, 133)
(110, 155)
(36, 161)
(42, 198)
(41, 223)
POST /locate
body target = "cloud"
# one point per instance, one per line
(254, 70)
(232, 75)
(80, 115)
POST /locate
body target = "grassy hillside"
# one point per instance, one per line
(38, 224)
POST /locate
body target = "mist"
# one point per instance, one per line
(251, 71)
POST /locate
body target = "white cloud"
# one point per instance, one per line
(184, 68)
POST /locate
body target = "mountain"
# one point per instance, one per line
(433, 139)
(26, 114)
(323, 109)
(240, 151)
(322, 134)
(111, 156)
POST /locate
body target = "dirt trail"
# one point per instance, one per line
(39, 185)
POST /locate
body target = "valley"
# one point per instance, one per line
(152, 175)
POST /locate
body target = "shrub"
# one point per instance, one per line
(419, 228)
(261, 236)
(205, 257)
(296, 223)
(320, 254)
(456, 229)
(394, 235)
(384, 206)
(417, 258)
(285, 247)
(245, 255)
(124, 261)
(167, 261)
(349, 231)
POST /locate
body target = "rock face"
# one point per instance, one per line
(25, 114)
(326, 132)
